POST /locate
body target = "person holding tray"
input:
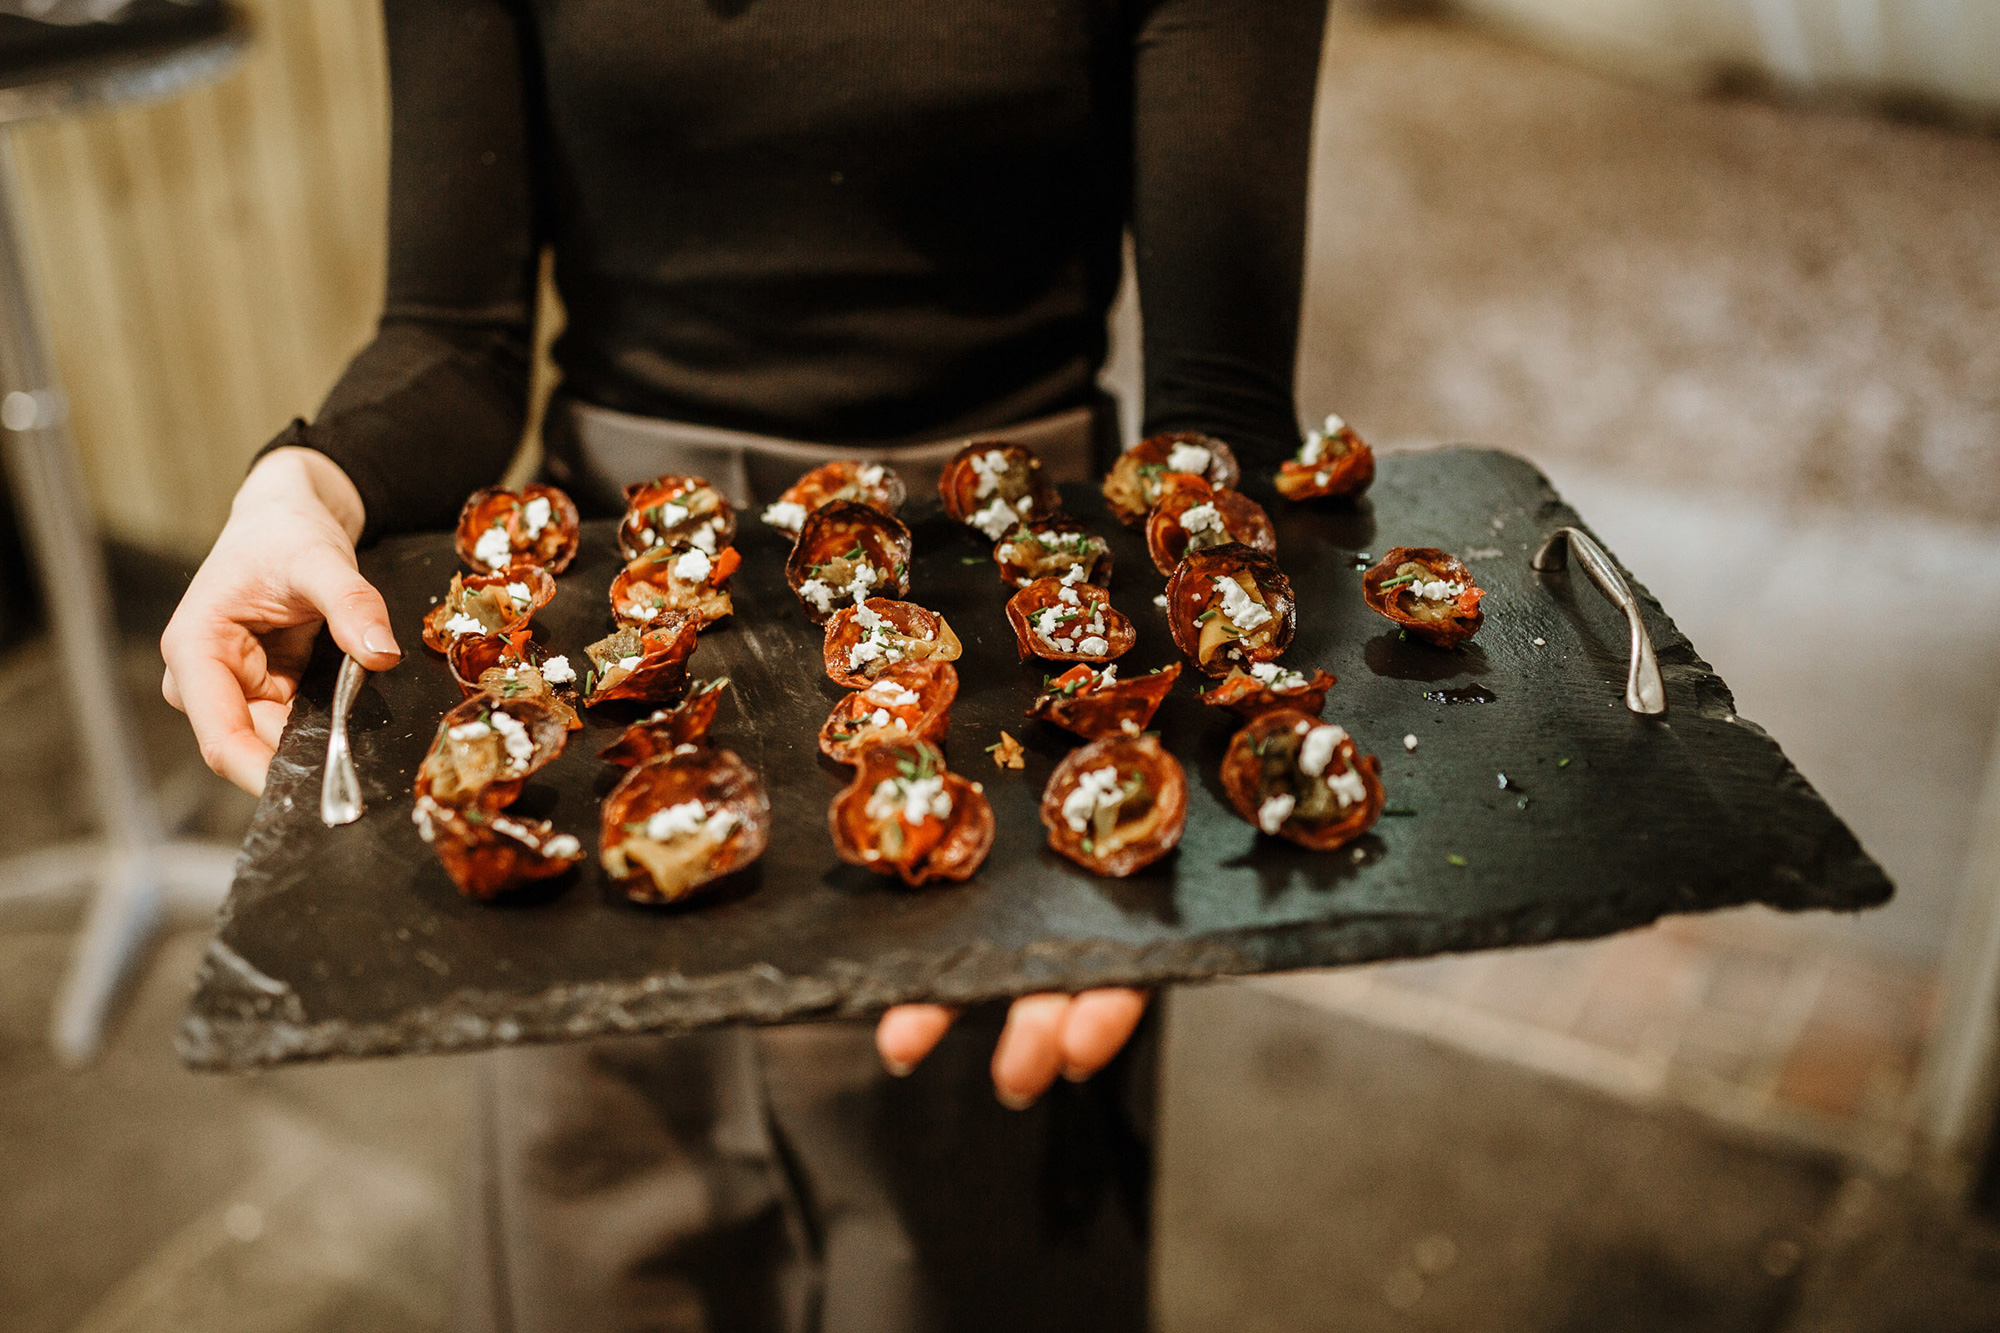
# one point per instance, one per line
(786, 233)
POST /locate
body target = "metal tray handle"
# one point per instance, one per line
(1643, 691)
(340, 788)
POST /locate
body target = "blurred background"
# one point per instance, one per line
(1728, 270)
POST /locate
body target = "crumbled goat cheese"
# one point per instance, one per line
(1160, 600)
(461, 623)
(703, 537)
(474, 730)
(1436, 590)
(1333, 425)
(1315, 446)
(1347, 788)
(642, 613)
(1318, 747)
(514, 736)
(995, 519)
(1410, 742)
(1541, 643)
(519, 592)
(868, 617)
(989, 467)
(1202, 518)
(1094, 791)
(1274, 677)
(693, 566)
(558, 671)
(1068, 594)
(562, 847)
(870, 475)
(785, 514)
(881, 717)
(1074, 575)
(624, 664)
(865, 578)
(535, 515)
(493, 549)
(1274, 812)
(1107, 677)
(889, 693)
(648, 538)
(819, 593)
(914, 799)
(1243, 611)
(673, 515)
(1093, 646)
(675, 820)
(1188, 458)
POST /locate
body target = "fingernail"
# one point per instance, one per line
(898, 1068)
(1077, 1075)
(378, 640)
(1013, 1102)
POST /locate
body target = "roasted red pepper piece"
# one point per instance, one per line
(676, 823)
(1133, 485)
(992, 486)
(1068, 622)
(1084, 701)
(864, 641)
(660, 668)
(535, 526)
(906, 814)
(1334, 461)
(486, 747)
(1266, 685)
(1118, 821)
(514, 667)
(675, 511)
(1192, 515)
(488, 853)
(1200, 614)
(1049, 548)
(674, 578)
(905, 703)
(873, 484)
(1428, 592)
(685, 723)
(845, 548)
(1299, 778)
(488, 604)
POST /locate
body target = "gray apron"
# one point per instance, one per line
(746, 1180)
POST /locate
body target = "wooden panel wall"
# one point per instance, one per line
(209, 263)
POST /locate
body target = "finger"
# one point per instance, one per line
(170, 691)
(267, 719)
(1027, 1058)
(909, 1032)
(213, 700)
(1097, 1026)
(355, 613)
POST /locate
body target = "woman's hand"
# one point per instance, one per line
(283, 565)
(1046, 1035)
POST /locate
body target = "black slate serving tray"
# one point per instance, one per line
(351, 941)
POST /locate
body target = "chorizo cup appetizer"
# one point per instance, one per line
(1230, 606)
(536, 525)
(649, 665)
(488, 604)
(993, 486)
(1116, 805)
(1302, 779)
(863, 642)
(514, 667)
(676, 823)
(1333, 461)
(1069, 621)
(1049, 548)
(1428, 592)
(675, 511)
(848, 552)
(488, 853)
(905, 703)
(905, 814)
(685, 723)
(674, 578)
(1192, 516)
(1094, 702)
(1265, 686)
(873, 484)
(485, 749)
(1132, 487)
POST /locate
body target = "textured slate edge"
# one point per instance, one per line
(241, 1018)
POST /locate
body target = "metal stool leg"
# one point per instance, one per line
(41, 463)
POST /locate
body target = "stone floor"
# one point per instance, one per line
(1707, 320)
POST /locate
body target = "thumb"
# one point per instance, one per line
(355, 613)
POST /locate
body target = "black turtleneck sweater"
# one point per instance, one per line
(867, 222)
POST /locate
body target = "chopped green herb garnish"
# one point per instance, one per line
(1456, 859)
(1562, 763)
(972, 559)
(1398, 581)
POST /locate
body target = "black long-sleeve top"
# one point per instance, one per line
(866, 222)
